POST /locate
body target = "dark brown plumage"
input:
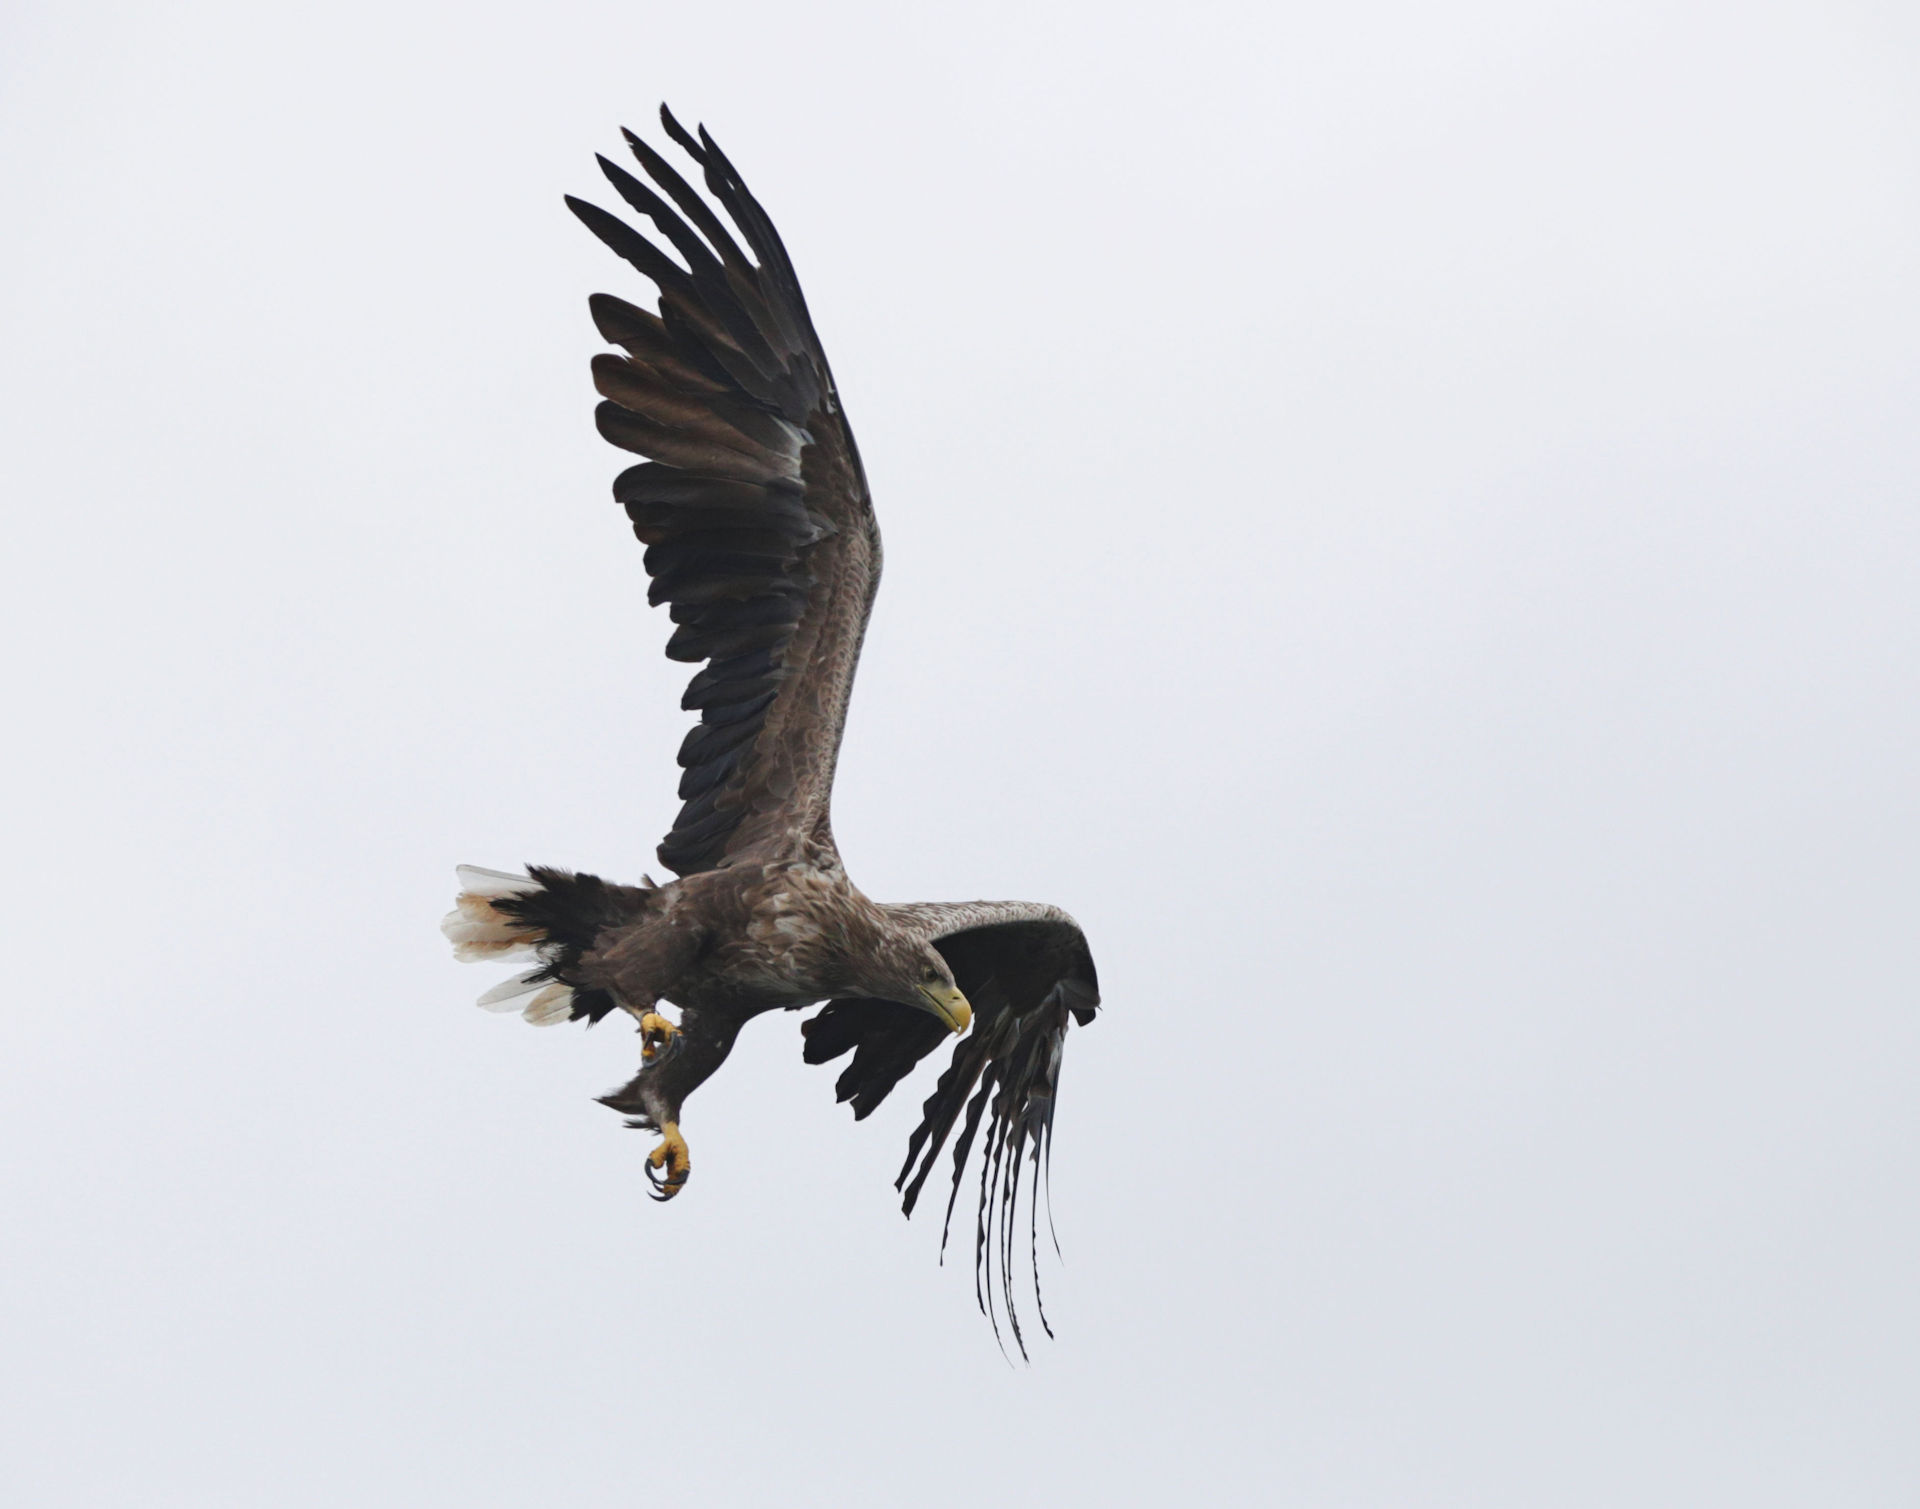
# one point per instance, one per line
(761, 541)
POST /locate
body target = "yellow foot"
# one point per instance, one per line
(671, 1156)
(656, 1035)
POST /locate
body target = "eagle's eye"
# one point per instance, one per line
(930, 974)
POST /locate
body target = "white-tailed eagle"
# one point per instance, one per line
(761, 540)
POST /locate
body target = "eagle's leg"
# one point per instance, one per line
(653, 1097)
(656, 1032)
(640, 965)
(671, 1158)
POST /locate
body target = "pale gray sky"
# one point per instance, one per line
(1403, 518)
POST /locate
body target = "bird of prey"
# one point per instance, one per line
(761, 540)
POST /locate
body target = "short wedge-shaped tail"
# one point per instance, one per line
(549, 916)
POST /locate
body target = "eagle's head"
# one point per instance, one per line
(914, 974)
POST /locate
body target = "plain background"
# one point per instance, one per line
(1403, 518)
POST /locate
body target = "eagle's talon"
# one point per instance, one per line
(657, 1036)
(670, 1156)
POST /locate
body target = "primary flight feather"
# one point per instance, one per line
(761, 540)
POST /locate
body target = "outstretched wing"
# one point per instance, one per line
(1029, 974)
(753, 506)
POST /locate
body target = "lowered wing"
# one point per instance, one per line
(752, 504)
(1028, 971)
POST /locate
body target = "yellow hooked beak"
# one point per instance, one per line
(946, 1002)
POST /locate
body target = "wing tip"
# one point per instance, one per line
(678, 133)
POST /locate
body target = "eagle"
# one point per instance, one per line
(760, 539)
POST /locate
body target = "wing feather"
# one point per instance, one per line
(752, 502)
(1029, 974)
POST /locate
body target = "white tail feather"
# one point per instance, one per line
(554, 1004)
(475, 881)
(489, 936)
(478, 932)
(492, 953)
(506, 995)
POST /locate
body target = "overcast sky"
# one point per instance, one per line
(1404, 519)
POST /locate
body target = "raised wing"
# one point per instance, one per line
(1028, 971)
(753, 506)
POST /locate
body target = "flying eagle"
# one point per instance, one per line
(761, 540)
